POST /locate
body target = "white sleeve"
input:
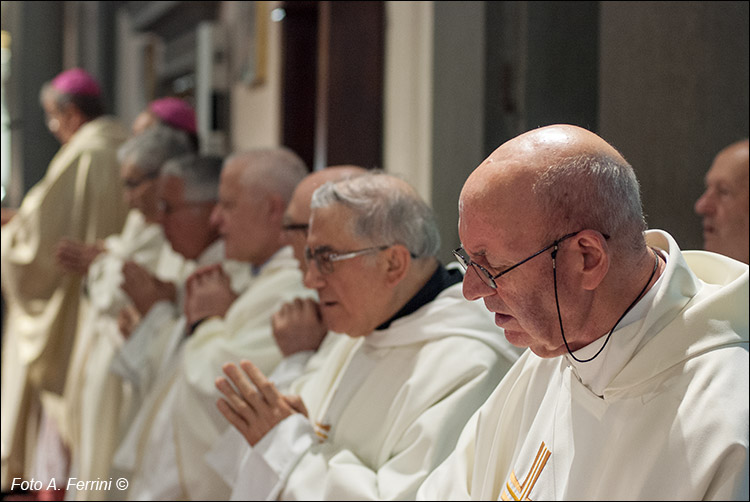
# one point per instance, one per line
(265, 468)
(139, 359)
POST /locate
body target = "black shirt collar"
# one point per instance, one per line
(440, 280)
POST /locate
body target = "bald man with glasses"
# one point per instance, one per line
(635, 386)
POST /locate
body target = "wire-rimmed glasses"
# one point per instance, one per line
(463, 258)
(324, 256)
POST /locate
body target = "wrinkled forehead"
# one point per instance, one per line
(497, 202)
(332, 225)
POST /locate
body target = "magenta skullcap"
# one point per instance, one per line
(175, 112)
(76, 81)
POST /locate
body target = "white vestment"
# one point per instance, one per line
(170, 463)
(95, 397)
(80, 197)
(384, 409)
(145, 355)
(662, 413)
(143, 364)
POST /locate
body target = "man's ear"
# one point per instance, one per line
(276, 207)
(594, 258)
(398, 261)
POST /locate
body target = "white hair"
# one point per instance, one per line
(153, 147)
(277, 170)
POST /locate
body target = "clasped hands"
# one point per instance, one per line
(298, 326)
(76, 256)
(208, 293)
(253, 405)
(145, 289)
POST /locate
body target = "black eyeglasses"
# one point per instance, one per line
(132, 184)
(324, 256)
(463, 258)
(299, 227)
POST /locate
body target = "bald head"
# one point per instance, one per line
(554, 180)
(299, 207)
(298, 211)
(567, 189)
(724, 204)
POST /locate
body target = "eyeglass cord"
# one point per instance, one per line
(559, 317)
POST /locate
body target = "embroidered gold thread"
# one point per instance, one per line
(538, 471)
(514, 480)
(512, 486)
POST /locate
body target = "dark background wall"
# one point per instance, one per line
(673, 91)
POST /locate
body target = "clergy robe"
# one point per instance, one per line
(663, 416)
(384, 409)
(171, 463)
(80, 197)
(94, 396)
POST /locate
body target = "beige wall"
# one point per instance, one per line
(407, 135)
(255, 109)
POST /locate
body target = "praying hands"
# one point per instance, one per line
(253, 405)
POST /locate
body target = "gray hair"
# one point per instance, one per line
(199, 173)
(90, 106)
(276, 170)
(593, 191)
(153, 147)
(387, 210)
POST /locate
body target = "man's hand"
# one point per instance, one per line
(253, 405)
(6, 214)
(76, 256)
(298, 326)
(127, 320)
(207, 293)
(144, 289)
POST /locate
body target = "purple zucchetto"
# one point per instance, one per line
(76, 81)
(175, 112)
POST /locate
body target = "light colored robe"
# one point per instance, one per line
(95, 397)
(144, 357)
(663, 417)
(80, 197)
(143, 363)
(171, 463)
(385, 409)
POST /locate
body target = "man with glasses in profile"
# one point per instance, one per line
(382, 411)
(635, 387)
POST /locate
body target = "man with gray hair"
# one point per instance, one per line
(154, 328)
(227, 316)
(635, 385)
(93, 396)
(384, 408)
